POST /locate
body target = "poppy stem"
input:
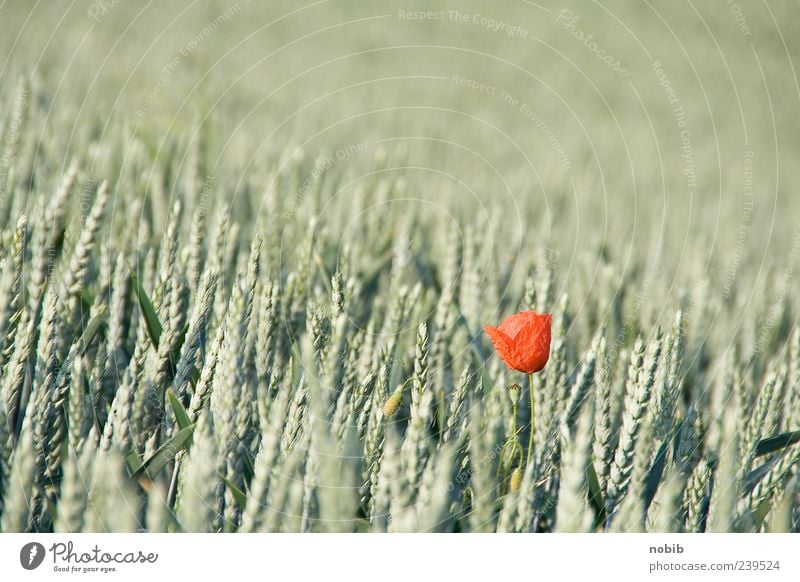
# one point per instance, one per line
(514, 420)
(533, 423)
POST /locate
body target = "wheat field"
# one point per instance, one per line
(248, 252)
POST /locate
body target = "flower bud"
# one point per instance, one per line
(522, 340)
(393, 403)
(515, 482)
(513, 392)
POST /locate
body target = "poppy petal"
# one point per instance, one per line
(512, 324)
(532, 345)
(522, 340)
(502, 343)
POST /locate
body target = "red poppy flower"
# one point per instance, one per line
(523, 340)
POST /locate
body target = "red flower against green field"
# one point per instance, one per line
(522, 340)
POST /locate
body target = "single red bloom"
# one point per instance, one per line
(523, 340)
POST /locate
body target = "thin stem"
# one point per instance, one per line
(511, 453)
(533, 416)
(514, 420)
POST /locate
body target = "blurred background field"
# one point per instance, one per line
(602, 154)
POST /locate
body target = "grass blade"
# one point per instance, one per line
(777, 442)
(150, 318)
(181, 416)
(165, 454)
